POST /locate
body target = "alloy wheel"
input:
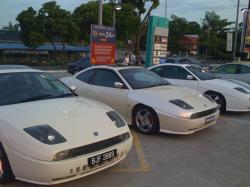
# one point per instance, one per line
(144, 120)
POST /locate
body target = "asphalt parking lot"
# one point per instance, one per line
(214, 157)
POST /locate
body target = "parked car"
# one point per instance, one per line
(190, 61)
(235, 71)
(145, 100)
(49, 135)
(78, 65)
(230, 96)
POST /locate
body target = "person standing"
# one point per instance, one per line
(133, 59)
(126, 59)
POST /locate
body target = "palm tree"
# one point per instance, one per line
(11, 27)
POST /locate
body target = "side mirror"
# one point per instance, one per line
(118, 85)
(73, 88)
(190, 77)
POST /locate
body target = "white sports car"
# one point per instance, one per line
(49, 135)
(230, 95)
(146, 100)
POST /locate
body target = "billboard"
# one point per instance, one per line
(245, 38)
(157, 40)
(102, 47)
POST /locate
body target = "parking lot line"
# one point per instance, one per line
(144, 167)
(228, 121)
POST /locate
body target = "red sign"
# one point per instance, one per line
(102, 53)
(102, 45)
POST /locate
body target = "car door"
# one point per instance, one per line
(244, 74)
(103, 89)
(177, 75)
(228, 71)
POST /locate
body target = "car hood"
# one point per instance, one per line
(75, 118)
(159, 97)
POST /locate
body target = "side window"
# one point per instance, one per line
(86, 76)
(170, 60)
(184, 61)
(227, 69)
(176, 72)
(244, 69)
(105, 78)
(159, 71)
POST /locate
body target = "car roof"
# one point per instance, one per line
(10, 66)
(172, 64)
(235, 63)
(16, 68)
(116, 67)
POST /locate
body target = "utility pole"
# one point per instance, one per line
(236, 29)
(100, 7)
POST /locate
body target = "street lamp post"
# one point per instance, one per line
(236, 30)
(116, 7)
(100, 7)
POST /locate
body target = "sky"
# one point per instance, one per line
(192, 10)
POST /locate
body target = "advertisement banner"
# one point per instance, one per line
(229, 41)
(102, 47)
(245, 36)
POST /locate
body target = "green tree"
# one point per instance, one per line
(11, 27)
(143, 14)
(87, 14)
(213, 35)
(50, 24)
(177, 28)
(32, 33)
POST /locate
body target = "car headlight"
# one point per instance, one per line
(242, 90)
(45, 134)
(209, 98)
(115, 117)
(181, 104)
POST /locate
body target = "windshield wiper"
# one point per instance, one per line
(62, 95)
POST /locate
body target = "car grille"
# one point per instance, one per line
(94, 147)
(203, 113)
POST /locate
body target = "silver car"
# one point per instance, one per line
(237, 71)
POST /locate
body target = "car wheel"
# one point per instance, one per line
(219, 99)
(6, 174)
(145, 120)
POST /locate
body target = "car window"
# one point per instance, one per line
(244, 69)
(86, 76)
(184, 61)
(23, 87)
(139, 78)
(175, 72)
(159, 71)
(170, 60)
(105, 78)
(227, 69)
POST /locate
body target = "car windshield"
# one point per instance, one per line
(139, 78)
(201, 74)
(30, 86)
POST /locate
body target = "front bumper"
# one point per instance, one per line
(176, 125)
(237, 104)
(47, 173)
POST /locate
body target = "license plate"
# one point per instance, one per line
(100, 159)
(209, 119)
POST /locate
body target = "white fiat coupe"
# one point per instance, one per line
(49, 135)
(146, 100)
(230, 95)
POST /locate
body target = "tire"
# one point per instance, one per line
(219, 99)
(145, 120)
(6, 174)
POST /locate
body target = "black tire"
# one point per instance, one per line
(6, 174)
(150, 116)
(219, 99)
